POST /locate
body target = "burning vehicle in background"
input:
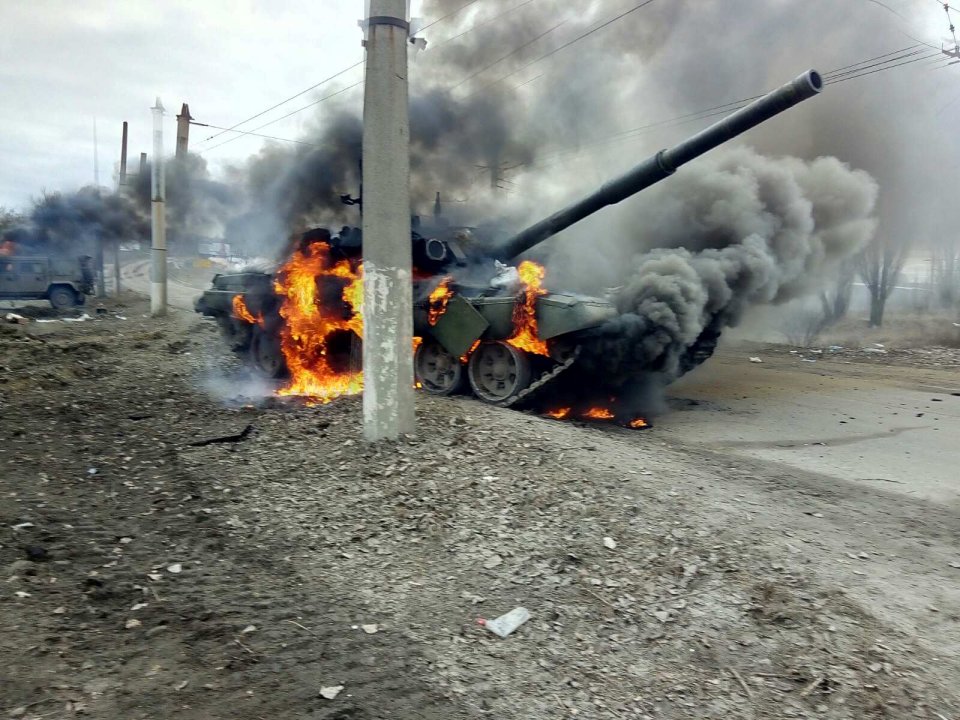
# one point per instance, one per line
(479, 321)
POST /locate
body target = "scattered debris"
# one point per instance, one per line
(237, 437)
(175, 568)
(610, 543)
(132, 623)
(508, 622)
(756, 360)
(330, 692)
(370, 629)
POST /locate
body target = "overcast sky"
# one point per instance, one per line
(64, 63)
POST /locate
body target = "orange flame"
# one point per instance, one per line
(241, 311)
(311, 323)
(7, 247)
(558, 414)
(525, 335)
(437, 302)
(468, 353)
(598, 413)
(638, 423)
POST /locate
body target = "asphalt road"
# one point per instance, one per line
(885, 426)
(135, 276)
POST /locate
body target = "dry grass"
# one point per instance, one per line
(902, 330)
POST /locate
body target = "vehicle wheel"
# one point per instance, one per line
(498, 372)
(266, 354)
(237, 333)
(62, 298)
(439, 372)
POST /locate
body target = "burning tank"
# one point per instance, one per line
(479, 321)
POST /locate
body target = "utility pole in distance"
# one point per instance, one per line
(158, 235)
(122, 183)
(387, 283)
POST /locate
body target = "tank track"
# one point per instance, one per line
(545, 378)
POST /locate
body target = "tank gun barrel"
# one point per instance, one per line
(666, 162)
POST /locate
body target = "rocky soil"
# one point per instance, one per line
(171, 548)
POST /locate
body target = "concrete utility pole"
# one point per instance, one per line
(158, 248)
(387, 287)
(122, 184)
(183, 131)
(101, 280)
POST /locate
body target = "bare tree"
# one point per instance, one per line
(879, 265)
(835, 301)
(945, 269)
(10, 219)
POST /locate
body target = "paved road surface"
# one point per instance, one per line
(888, 427)
(136, 277)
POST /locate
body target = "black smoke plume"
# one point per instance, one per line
(745, 230)
(72, 224)
(197, 206)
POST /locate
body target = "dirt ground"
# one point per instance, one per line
(170, 549)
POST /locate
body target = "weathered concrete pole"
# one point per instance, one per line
(158, 247)
(387, 288)
(183, 131)
(122, 183)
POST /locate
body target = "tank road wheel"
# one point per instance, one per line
(498, 372)
(236, 332)
(62, 297)
(266, 354)
(439, 372)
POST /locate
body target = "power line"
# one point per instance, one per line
(250, 132)
(449, 14)
(284, 102)
(893, 52)
(509, 54)
(315, 86)
(434, 46)
(571, 42)
(841, 74)
(835, 75)
(881, 69)
(294, 112)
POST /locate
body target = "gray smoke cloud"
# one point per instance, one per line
(72, 224)
(745, 230)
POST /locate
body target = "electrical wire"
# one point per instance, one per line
(284, 102)
(449, 14)
(509, 54)
(837, 75)
(433, 47)
(294, 112)
(893, 52)
(254, 134)
(570, 42)
(881, 69)
(312, 87)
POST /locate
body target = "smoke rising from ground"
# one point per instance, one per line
(746, 230)
(72, 224)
